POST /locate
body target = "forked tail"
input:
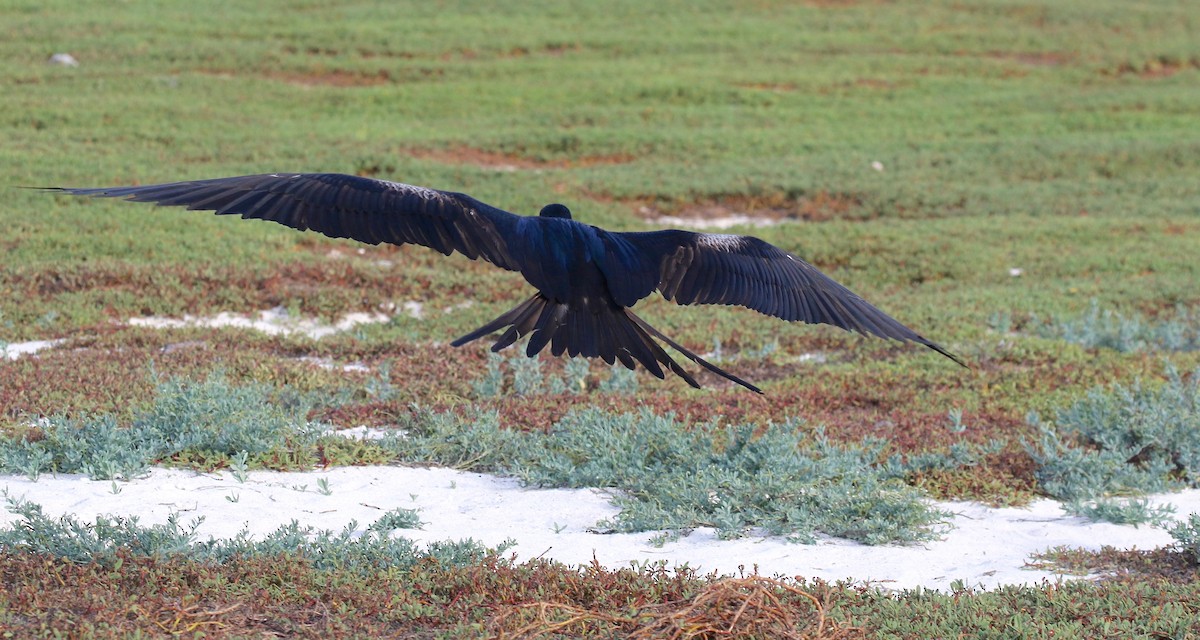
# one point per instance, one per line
(592, 328)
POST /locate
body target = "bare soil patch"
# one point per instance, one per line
(512, 162)
(332, 78)
(550, 49)
(834, 4)
(1157, 67)
(1032, 58)
(777, 87)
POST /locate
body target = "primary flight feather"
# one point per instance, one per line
(586, 278)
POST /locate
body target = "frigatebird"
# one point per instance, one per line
(586, 277)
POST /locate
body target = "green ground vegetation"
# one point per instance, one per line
(1017, 181)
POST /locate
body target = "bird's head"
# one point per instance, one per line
(555, 211)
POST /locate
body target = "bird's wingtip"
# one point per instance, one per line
(958, 360)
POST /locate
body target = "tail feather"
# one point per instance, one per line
(510, 317)
(643, 349)
(595, 329)
(691, 356)
(624, 357)
(548, 323)
(604, 335)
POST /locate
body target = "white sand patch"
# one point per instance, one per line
(985, 547)
(327, 363)
(14, 350)
(275, 321)
(363, 432)
(414, 309)
(722, 222)
(63, 60)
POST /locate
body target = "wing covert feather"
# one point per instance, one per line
(344, 206)
(706, 268)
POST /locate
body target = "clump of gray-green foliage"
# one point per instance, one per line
(676, 477)
(1127, 332)
(1187, 536)
(213, 418)
(365, 550)
(1116, 444)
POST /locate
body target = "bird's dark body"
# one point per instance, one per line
(586, 277)
(563, 256)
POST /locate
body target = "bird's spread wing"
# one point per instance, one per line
(706, 268)
(344, 206)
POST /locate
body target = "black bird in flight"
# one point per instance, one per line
(586, 278)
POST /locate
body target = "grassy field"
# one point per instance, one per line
(1017, 181)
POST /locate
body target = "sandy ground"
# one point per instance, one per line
(275, 321)
(982, 546)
